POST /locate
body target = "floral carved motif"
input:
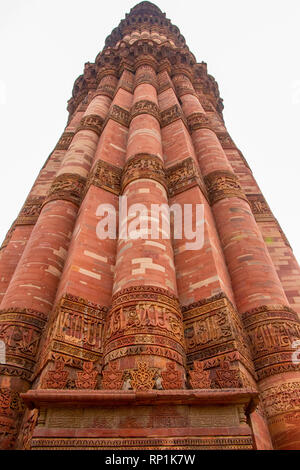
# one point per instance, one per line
(112, 377)
(222, 184)
(143, 166)
(142, 379)
(172, 379)
(58, 377)
(199, 378)
(227, 377)
(87, 379)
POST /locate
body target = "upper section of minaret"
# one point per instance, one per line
(145, 20)
(145, 36)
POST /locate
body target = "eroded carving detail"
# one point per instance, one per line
(222, 184)
(143, 166)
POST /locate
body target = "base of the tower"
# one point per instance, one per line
(125, 420)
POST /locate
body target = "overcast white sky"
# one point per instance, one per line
(251, 48)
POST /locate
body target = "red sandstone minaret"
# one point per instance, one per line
(138, 343)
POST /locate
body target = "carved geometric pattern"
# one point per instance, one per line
(272, 331)
(106, 176)
(145, 107)
(142, 378)
(172, 379)
(87, 379)
(65, 141)
(93, 122)
(183, 176)
(199, 378)
(58, 377)
(112, 377)
(222, 184)
(30, 211)
(69, 187)
(143, 165)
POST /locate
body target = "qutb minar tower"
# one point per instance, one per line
(140, 342)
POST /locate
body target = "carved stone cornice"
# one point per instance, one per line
(272, 329)
(183, 176)
(144, 165)
(223, 184)
(93, 122)
(30, 211)
(145, 107)
(199, 121)
(118, 114)
(106, 176)
(65, 141)
(68, 187)
(172, 114)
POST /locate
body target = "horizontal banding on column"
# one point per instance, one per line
(69, 187)
(199, 121)
(145, 107)
(272, 329)
(144, 166)
(106, 176)
(183, 176)
(64, 141)
(93, 122)
(223, 184)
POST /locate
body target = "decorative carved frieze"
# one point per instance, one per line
(106, 176)
(283, 398)
(68, 187)
(65, 141)
(183, 176)
(145, 107)
(172, 379)
(143, 165)
(259, 207)
(272, 331)
(225, 140)
(172, 114)
(213, 327)
(145, 73)
(21, 330)
(87, 379)
(118, 114)
(227, 377)
(93, 122)
(30, 211)
(199, 121)
(144, 320)
(223, 184)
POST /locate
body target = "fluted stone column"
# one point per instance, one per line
(144, 326)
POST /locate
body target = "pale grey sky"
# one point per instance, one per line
(251, 48)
